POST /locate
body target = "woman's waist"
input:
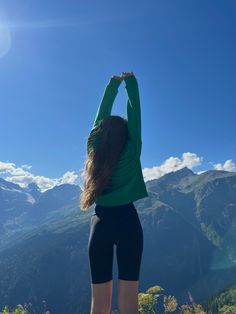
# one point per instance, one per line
(115, 210)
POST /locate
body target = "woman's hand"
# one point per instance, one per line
(125, 74)
(121, 77)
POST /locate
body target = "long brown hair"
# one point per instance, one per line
(111, 136)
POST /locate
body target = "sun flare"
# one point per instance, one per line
(5, 40)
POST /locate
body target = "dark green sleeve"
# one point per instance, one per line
(107, 101)
(104, 109)
(134, 111)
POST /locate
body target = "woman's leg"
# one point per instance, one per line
(128, 296)
(101, 298)
(100, 250)
(129, 253)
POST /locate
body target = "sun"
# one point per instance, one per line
(5, 40)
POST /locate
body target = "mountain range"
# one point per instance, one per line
(189, 224)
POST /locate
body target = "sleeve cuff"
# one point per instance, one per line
(114, 82)
(130, 80)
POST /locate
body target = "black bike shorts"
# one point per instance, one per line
(119, 226)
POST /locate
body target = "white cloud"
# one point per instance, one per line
(23, 177)
(27, 167)
(188, 159)
(69, 177)
(229, 165)
(10, 167)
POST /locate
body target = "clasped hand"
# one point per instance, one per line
(122, 76)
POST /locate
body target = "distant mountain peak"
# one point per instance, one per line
(9, 185)
(33, 190)
(185, 171)
(180, 173)
(33, 186)
(175, 177)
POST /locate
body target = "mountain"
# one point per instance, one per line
(189, 224)
(34, 190)
(23, 209)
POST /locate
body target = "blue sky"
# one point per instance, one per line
(57, 57)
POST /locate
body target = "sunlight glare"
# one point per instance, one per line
(5, 40)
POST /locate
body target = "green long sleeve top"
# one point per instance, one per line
(127, 182)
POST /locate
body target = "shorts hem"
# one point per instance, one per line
(129, 279)
(101, 281)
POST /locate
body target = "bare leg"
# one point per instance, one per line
(101, 298)
(128, 296)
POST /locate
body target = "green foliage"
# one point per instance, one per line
(19, 309)
(192, 309)
(154, 289)
(26, 309)
(186, 309)
(228, 309)
(148, 303)
(5, 310)
(170, 303)
(224, 298)
(222, 303)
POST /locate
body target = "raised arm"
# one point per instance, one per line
(134, 111)
(104, 109)
(109, 95)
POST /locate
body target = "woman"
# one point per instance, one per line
(113, 181)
